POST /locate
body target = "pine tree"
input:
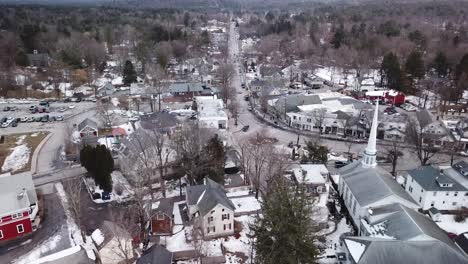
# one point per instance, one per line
(88, 159)
(462, 67)
(392, 73)
(129, 73)
(285, 232)
(414, 65)
(338, 38)
(104, 169)
(441, 64)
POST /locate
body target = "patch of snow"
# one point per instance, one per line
(356, 249)
(97, 237)
(178, 242)
(448, 223)
(246, 204)
(17, 159)
(58, 255)
(115, 101)
(34, 255)
(176, 213)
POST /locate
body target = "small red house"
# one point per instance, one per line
(162, 220)
(88, 128)
(389, 96)
(19, 206)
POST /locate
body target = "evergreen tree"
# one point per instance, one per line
(317, 153)
(129, 73)
(88, 159)
(441, 64)
(285, 232)
(391, 72)
(215, 155)
(414, 65)
(338, 38)
(462, 67)
(103, 172)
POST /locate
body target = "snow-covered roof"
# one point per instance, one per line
(311, 173)
(210, 107)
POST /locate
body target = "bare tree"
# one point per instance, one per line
(420, 141)
(122, 228)
(234, 108)
(393, 154)
(155, 76)
(72, 188)
(318, 115)
(105, 112)
(225, 75)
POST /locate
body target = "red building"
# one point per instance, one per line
(162, 220)
(18, 207)
(388, 96)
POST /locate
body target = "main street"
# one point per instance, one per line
(408, 161)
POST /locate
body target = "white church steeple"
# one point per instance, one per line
(369, 160)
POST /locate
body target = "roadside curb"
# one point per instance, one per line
(34, 159)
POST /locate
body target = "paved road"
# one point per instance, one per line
(407, 161)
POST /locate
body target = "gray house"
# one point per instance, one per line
(156, 255)
(107, 90)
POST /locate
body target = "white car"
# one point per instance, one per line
(24, 119)
(71, 106)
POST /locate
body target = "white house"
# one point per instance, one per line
(363, 185)
(314, 176)
(433, 187)
(211, 112)
(209, 206)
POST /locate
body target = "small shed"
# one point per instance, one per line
(434, 214)
(162, 220)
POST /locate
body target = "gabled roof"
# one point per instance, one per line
(87, 122)
(462, 242)
(425, 117)
(207, 196)
(185, 87)
(158, 120)
(165, 206)
(369, 250)
(16, 192)
(156, 255)
(429, 178)
(373, 185)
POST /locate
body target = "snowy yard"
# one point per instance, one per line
(246, 204)
(447, 223)
(16, 151)
(333, 241)
(122, 191)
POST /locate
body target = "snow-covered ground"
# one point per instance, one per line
(118, 182)
(447, 223)
(246, 204)
(19, 156)
(333, 240)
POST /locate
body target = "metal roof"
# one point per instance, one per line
(429, 178)
(16, 192)
(156, 255)
(87, 122)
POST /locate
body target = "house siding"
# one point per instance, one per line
(9, 229)
(161, 227)
(218, 223)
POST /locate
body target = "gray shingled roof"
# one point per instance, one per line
(159, 120)
(370, 185)
(185, 87)
(425, 117)
(87, 122)
(166, 206)
(295, 100)
(156, 255)
(428, 177)
(207, 196)
(385, 251)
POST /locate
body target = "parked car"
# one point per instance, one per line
(30, 119)
(14, 124)
(24, 119)
(37, 119)
(71, 106)
(45, 118)
(62, 109)
(13, 108)
(52, 119)
(6, 109)
(245, 128)
(44, 103)
(3, 120)
(59, 118)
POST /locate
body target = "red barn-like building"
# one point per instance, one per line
(18, 207)
(162, 221)
(389, 96)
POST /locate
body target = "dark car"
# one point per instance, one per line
(45, 118)
(6, 109)
(52, 119)
(37, 119)
(339, 164)
(44, 103)
(3, 120)
(245, 128)
(14, 124)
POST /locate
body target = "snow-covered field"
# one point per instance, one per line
(19, 156)
(246, 204)
(447, 223)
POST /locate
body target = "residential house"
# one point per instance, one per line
(186, 91)
(314, 176)
(156, 254)
(19, 206)
(435, 132)
(162, 220)
(394, 233)
(163, 122)
(364, 185)
(388, 96)
(209, 206)
(431, 187)
(211, 112)
(107, 90)
(88, 128)
(393, 127)
(37, 59)
(114, 243)
(462, 242)
(259, 85)
(461, 131)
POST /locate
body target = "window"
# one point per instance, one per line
(20, 228)
(227, 227)
(213, 229)
(213, 211)
(432, 203)
(447, 194)
(411, 189)
(455, 194)
(422, 190)
(435, 193)
(210, 219)
(17, 215)
(1, 234)
(160, 217)
(420, 199)
(225, 216)
(454, 203)
(208, 230)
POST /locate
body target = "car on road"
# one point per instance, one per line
(6, 109)
(245, 128)
(340, 164)
(37, 119)
(24, 119)
(45, 118)
(71, 106)
(44, 103)
(59, 118)
(52, 119)
(30, 119)
(14, 124)
(62, 109)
